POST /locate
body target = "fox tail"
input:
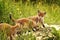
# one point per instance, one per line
(10, 15)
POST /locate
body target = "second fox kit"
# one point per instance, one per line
(39, 18)
(12, 29)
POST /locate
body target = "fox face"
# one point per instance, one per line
(41, 14)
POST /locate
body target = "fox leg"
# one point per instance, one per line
(42, 24)
(35, 28)
(11, 37)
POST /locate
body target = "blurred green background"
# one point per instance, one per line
(26, 8)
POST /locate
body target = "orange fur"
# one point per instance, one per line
(12, 29)
(39, 18)
(34, 20)
(23, 21)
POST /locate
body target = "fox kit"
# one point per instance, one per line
(39, 18)
(12, 29)
(23, 21)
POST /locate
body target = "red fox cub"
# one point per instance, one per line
(39, 18)
(12, 29)
(23, 21)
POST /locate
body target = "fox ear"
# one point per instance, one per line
(38, 11)
(44, 12)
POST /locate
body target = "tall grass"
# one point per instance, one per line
(20, 10)
(3, 35)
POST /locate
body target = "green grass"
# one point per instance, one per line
(3, 35)
(25, 36)
(21, 10)
(56, 33)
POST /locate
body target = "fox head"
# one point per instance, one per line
(41, 14)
